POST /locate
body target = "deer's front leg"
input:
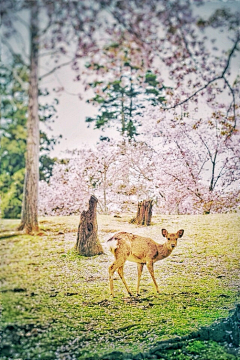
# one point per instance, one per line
(150, 269)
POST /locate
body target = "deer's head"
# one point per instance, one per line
(172, 238)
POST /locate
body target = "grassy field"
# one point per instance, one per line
(56, 304)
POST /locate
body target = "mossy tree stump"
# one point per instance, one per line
(144, 212)
(87, 238)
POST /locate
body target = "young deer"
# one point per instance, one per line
(142, 250)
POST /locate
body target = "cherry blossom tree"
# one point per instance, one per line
(183, 169)
(97, 171)
(187, 48)
(195, 160)
(192, 54)
(67, 193)
(171, 35)
(201, 72)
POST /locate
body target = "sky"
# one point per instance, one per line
(72, 111)
(71, 114)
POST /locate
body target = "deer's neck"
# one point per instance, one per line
(163, 251)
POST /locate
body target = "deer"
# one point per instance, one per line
(141, 250)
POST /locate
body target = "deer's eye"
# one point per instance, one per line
(168, 238)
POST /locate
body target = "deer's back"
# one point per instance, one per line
(134, 247)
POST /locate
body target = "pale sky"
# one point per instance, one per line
(71, 113)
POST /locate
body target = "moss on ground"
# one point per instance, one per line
(56, 304)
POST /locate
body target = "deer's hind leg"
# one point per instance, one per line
(117, 264)
(140, 269)
(120, 272)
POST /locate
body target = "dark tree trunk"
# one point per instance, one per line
(144, 212)
(29, 217)
(87, 237)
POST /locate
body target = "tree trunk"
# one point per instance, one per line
(144, 212)
(87, 238)
(29, 217)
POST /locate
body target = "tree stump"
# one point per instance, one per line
(144, 212)
(87, 238)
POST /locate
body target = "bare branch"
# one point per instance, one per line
(222, 76)
(66, 92)
(181, 182)
(55, 68)
(231, 54)
(219, 174)
(47, 27)
(206, 146)
(186, 162)
(233, 103)
(49, 53)
(194, 94)
(186, 44)
(203, 161)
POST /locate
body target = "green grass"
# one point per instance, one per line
(55, 302)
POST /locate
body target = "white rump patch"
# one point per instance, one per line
(112, 244)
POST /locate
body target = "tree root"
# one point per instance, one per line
(5, 235)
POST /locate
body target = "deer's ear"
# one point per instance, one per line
(164, 233)
(180, 233)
